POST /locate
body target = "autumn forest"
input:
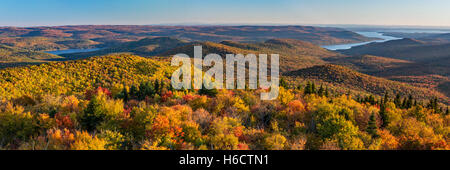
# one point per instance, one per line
(120, 97)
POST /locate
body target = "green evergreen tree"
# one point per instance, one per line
(299, 87)
(134, 92)
(386, 97)
(308, 88)
(284, 84)
(372, 100)
(209, 92)
(397, 100)
(403, 105)
(358, 99)
(436, 105)
(313, 88)
(125, 95)
(146, 90)
(321, 91)
(93, 114)
(157, 87)
(372, 126)
(384, 116)
(409, 102)
(433, 104)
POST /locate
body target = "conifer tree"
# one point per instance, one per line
(386, 98)
(433, 104)
(134, 91)
(299, 87)
(321, 91)
(384, 116)
(308, 88)
(93, 114)
(397, 100)
(436, 105)
(372, 100)
(209, 92)
(125, 95)
(403, 105)
(157, 87)
(313, 88)
(409, 102)
(358, 99)
(372, 126)
(284, 84)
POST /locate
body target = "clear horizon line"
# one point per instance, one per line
(237, 24)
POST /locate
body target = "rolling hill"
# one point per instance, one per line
(145, 47)
(421, 74)
(433, 38)
(101, 36)
(437, 38)
(294, 54)
(33, 43)
(10, 56)
(346, 78)
(404, 49)
(369, 64)
(75, 77)
(423, 64)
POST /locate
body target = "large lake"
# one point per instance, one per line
(59, 52)
(383, 38)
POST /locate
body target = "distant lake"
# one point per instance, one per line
(383, 38)
(59, 52)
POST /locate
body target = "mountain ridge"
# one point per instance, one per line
(351, 79)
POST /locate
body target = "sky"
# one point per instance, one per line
(148, 12)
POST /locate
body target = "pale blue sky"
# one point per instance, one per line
(369, 12)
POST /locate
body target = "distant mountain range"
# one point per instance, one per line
(100, 36)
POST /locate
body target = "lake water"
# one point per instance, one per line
(59, 52)
(383, 38)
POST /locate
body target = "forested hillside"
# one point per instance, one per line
(126, 102)
(10, 56)
(145, 47)
(358, 82)
(74, 77)
(294, 54)
(419, 63)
